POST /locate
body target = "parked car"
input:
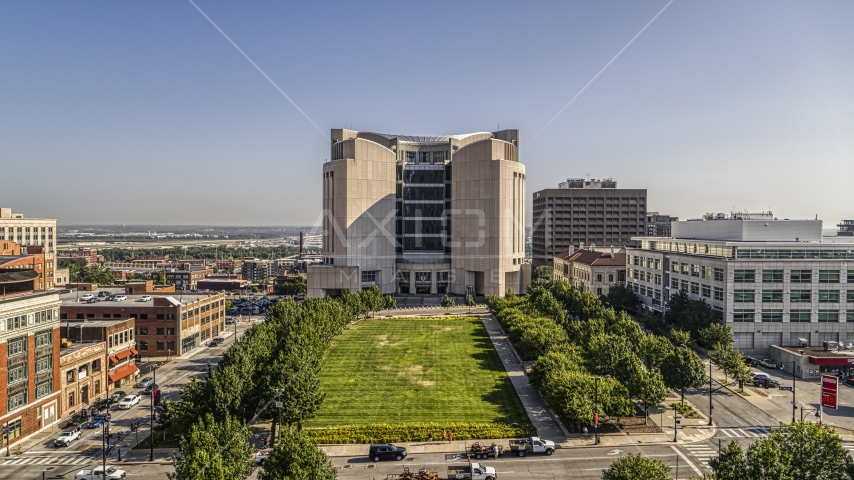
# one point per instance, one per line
(229, 320)
(850, 380)
(65, 438)
(96, 422)
(119, 298)
(386, 451)
(129, 401)
(86, 297)
(765, 382)
(767, 363)
(145, 382)
(104, 293)
(116, 396)
(98, 474)
(145, 298)
(213, 344)
(102, 405)
(532, 445)
(219, 340)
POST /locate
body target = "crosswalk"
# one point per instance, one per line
(703, 453)
(44, 460)
(748, 432)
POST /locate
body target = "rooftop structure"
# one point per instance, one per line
(588, 184)
(846, 228)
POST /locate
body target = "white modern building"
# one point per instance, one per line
(774, 282)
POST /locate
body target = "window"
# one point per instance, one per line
(744, 276)
(17, 374)
(143, 316)
(70, 376)
(675, 267)
(17, 346)
(801, 276)
(674, 284)
(44, 388)
(850, 276)
(684, 285)
(742, 315)
(161, 346)
(801, 296)
(599, 279)
(70, 399)
(707, 272)
(695, 270)
(742, 296)
(160, 331)
(44, 339)
(772, 315)
(828, 316)
(143, 330)
(706, 291)
(772, 276)
(771, 296)
(799, 316)
(44, 364)
(828, 276)
(657, 278)
(828, 296)
(686, 269)
(159, 316)
(849, 317)
(143, 345)
(850, 296)
(719, 274)
(611, 278)
(170, 346)
(719, 293)
(96, 365)
(695, 288)
(599, 292)
(369, 276)
(17, 400)
(97, 387)
(170, 331)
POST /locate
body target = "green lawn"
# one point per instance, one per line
(406, 370)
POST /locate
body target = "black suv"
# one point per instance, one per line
(386, 452)
(766, 383)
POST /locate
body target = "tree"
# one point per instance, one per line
(680, 337)
(800, 451)
(228, 305)
(160, 278)
(469, 301)
(389, 302)
(654, 350)
(214, 450)
(648, 389)
(716, 336)
(687, 314)
(730, 464)
(621, 298)
(372, 298)
(293, 285)
(541, 274)
(683, 370)
(636, 466)
(447, 302)
(297, 458)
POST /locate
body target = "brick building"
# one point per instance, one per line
(119, 339)
(31, 232)
(82, 374)
(14, 257)
(186, 278)
(89, 255)
(29, 362)
(165, 326)
(591, 271)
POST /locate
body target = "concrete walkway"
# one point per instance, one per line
(541, 417)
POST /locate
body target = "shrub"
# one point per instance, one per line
(410, 432)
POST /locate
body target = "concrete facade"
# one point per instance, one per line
(770, 290)
(422, 215)
(584, 214)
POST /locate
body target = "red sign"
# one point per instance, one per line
(829, 389)
(595, 418)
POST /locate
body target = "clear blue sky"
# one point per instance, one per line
(142, 112)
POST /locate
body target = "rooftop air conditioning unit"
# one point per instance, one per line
(830, 346)
(803, 342)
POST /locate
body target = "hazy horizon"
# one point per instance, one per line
(145, 114)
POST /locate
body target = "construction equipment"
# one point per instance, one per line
(477, 450)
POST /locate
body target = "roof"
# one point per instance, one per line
(428, 139)
(159, 300)
(18, 276)
(596, 259)
(76, 346)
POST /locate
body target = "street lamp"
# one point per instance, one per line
(596, 410)
(279, 407)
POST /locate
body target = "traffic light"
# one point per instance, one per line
(5, 429)
(741, 384)
(155, 397)
(766, 383)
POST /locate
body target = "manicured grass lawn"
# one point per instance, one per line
(416, 370)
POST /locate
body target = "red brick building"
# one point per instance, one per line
(90, 255)
(119, 339)
(29, 362)
(14, 257)
(186, 278)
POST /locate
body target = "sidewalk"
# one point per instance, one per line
(547, 425)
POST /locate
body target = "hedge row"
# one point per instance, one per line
(412, 432)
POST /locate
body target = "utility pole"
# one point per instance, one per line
(151, 416)
(596, 411)
(794, 405)
(104, 448)
(710, 392)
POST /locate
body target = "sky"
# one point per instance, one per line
(144, 113)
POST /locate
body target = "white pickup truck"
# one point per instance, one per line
(532, 445)
(472, 471)
(67, 437)
(98, 474)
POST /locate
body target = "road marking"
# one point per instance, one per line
(690, 464)
(725, 432)
(61, 460)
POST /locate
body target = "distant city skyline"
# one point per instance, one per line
(146, 114)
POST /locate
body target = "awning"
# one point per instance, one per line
(133, 351)
(123, 354)
(113, 359)
(832, 361)
(123, 372)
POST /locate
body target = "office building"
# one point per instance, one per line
(658, 225)
(846, 228)
(29, 357)
(418, 215)
(83, 376)
(591, 271)
(170, 324)
(26, 232)
(89, 255)
(118, 338)
(15, 258)
(187, 277)
(257, 269)
(592, 213)
(773, 282)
